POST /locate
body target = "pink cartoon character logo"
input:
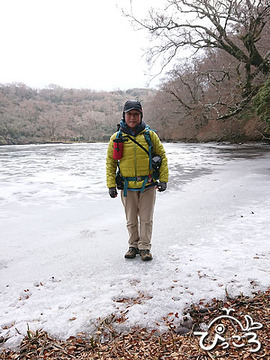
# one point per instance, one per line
(218, 330)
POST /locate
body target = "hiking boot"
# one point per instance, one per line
(131, 253)
(146, 255)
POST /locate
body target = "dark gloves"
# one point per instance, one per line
(162, 186)
(113, 192)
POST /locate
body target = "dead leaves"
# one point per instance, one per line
(143, 344)
(139, 299)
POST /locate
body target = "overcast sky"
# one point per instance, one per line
(73, 43)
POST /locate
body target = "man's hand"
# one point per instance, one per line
(162, 186)
(113, 192)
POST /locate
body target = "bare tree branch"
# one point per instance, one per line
(232, 26)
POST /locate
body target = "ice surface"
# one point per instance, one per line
(63, 238)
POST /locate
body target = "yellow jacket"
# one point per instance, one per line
(135, 161)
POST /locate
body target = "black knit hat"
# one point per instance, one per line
(132, 105)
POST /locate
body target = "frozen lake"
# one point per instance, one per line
(63, 238)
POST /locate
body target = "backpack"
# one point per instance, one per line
(154, 163)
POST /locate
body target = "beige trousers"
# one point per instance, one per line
(139, 210)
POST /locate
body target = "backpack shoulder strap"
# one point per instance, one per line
(150, 144)
(119, 134)
(147, 135)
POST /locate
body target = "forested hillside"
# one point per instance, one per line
(55, 114)
(70, 115)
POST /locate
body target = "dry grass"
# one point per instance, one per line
(144, 344)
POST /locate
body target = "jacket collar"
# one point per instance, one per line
(127, 130)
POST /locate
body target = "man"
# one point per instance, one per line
(137, 153)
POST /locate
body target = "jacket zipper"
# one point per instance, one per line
(135, 158)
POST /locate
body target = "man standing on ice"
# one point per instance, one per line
(136, 159)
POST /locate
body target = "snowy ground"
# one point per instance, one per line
(63, 238)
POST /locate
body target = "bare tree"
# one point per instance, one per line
(232, 26)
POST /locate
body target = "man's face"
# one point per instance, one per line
(133, 118)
